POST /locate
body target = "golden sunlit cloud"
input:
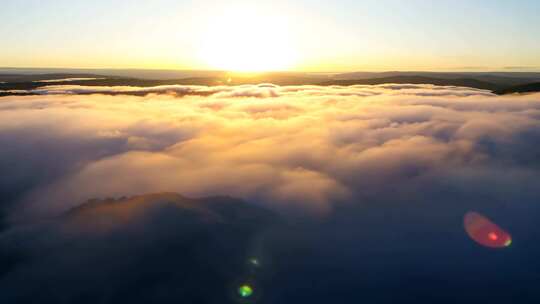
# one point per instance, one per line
(336, 143)
(248, 40)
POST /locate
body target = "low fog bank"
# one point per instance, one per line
(294, 149)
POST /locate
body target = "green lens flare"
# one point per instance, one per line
(254, 262)
(245, 291)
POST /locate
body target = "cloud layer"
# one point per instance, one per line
(373, 182)
(298, 148)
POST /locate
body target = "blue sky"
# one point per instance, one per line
(323, 35)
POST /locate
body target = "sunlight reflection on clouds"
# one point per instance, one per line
(297, 147)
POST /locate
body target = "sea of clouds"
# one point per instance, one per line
(297, 148)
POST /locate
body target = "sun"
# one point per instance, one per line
(247, 40)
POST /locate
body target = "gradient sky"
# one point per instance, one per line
(314, 35)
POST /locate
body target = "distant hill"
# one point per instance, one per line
(44, 77)
(502, 78)
(462, 82)
(526, 88)
(126, 73)
(499, 83)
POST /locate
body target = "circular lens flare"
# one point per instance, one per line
(485, 232)
(245, 291)
(254, 262)
(493, 236)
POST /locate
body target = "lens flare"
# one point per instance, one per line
(245, 291)
(254, 262)
(485, 232)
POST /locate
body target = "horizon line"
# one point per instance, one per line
(436, 70)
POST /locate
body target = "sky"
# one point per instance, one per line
(303, 35)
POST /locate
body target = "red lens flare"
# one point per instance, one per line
(493, 236)
(485, 232)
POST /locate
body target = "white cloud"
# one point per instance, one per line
(293, 148)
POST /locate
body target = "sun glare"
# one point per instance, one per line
(247, 40)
